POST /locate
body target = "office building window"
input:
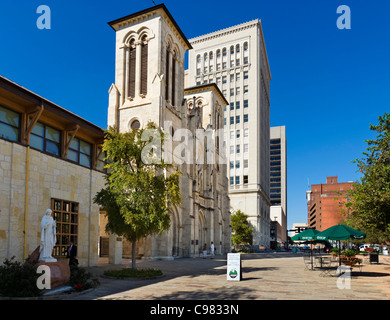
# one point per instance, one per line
(237, 179)
(245, 89)
(232, 92)
(246, 104)
(246, 75)
(246, 163)
(246, 118)
(231, 106)
(45, 138)
(238, 148)
(101, 163)
(237, 119)
(246, 147)
(231, 164)
(246, 180)
(238, 134)
(238, 164)
(246, 60)
(237, 104)
(80, 152)
(9, 124)
(246, 133)
(231, 149)
(231, 120)
(231, 180)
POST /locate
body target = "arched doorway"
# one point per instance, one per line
(202, 231)
(174, 234)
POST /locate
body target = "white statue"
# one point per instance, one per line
(48, 237)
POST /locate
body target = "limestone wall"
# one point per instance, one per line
(49, 177)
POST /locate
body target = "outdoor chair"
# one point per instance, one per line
(307, 261)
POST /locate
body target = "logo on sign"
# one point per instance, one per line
(233, 273)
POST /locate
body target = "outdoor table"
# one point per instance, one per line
(321, 259)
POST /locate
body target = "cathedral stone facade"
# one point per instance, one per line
(149, 87)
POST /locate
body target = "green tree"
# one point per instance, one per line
(141, 189)
(370, 197)
(241, 229)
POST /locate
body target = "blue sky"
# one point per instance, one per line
(327, 84)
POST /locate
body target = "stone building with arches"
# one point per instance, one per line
(149, 87)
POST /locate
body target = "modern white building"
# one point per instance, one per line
(278, 181)
(236, 60)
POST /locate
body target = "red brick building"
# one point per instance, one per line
(324, 203)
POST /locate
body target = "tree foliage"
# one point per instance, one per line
(241, 229)
(370, 197)
(139, 194)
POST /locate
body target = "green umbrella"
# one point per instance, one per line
(340, 232)
(309, 235)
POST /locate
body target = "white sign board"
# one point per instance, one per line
(234, 266)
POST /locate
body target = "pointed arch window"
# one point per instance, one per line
(173, 78)
(167, 73)
(132, 67)
(144, 66)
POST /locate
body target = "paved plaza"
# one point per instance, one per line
(266, 276)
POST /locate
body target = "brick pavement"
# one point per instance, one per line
(266, 276)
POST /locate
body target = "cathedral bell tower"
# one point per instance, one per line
(149, 70)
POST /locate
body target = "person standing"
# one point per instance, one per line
(204, 251)
(212, 248)
(71, 254)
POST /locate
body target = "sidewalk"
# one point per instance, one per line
(266, 276)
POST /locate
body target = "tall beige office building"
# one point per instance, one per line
(236, 60)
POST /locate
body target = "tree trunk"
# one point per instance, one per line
(133, 258)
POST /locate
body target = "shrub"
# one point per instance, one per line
(82, 280)
(18, 280)
(350, 253)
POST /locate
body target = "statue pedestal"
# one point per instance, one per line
(48, 260)
(59, 272)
